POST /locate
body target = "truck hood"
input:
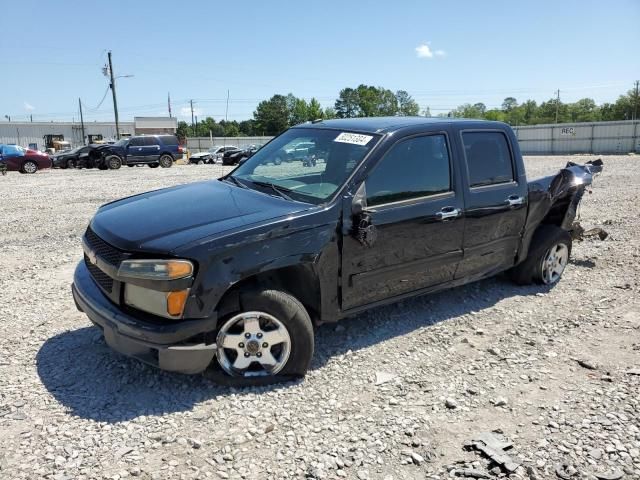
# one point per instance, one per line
(163, 220)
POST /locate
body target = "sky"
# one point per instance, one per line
(444, 53)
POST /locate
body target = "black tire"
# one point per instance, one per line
(29, 167)
(130, 165)
(531, 270)
(293, 315)
(200, 162)
(71, 163)
(102, 166)
(113, 162)
(166, 161)
(154, 165)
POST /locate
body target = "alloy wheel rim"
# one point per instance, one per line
(554, 263)
(253, 344)
(30, 167)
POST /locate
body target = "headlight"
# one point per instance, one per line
(156, 269)
(163, 304)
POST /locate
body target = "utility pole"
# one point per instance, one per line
(113, 92)
(192, 124)
(81, 120)
(169, 102)
(31, 117)
(195, 132)
(637, 100)
(557, 104)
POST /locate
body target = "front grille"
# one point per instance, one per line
(102, 249)
(101, 278)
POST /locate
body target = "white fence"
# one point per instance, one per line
(565, 138)
(202, 144)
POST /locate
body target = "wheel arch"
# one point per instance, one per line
(300, 280)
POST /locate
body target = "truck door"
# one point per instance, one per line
(495, 201)
(415, 207)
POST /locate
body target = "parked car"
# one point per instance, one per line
(24, 160)
(152, 150)
(231, 275)
(239, 155)
(211, 155)
(69, 158)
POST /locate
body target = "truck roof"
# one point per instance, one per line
(390, 124)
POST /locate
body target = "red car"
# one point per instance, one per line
(23, 160)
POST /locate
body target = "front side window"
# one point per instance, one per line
(310, 174)
(413, 168)
(137, 142)
(488, 158)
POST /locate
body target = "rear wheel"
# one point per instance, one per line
(166, 161)
(29, 167)
(548, 257)
(71, 163)
(269, 338)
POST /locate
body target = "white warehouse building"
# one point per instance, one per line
(31, 134)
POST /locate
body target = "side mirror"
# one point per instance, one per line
(359, 203)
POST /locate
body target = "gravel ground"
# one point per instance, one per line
(395, 393)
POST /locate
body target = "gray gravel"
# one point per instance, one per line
(394, 393)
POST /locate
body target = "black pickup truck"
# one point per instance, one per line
(230, 275)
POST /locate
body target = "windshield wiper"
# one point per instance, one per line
(276, 188)
(235, 181)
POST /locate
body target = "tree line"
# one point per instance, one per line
(280, 112)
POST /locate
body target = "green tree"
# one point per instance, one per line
(183, 130)
(298, 110)
(347, 104)
(248, 127)
(584, 110)
(329, 113)
(314, 110)
(495, 115)
(509, 104)
(272, 116)
(406, 104)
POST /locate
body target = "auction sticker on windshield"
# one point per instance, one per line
(354, 138)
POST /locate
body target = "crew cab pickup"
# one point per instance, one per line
(230, 275)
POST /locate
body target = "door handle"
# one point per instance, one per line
(447, 212)
(515, 200)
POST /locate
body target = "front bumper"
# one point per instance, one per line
(163, 345)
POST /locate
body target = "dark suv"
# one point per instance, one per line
(152, 150)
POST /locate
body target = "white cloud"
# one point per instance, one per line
(28, 107)
(424, 51)
(186, 112)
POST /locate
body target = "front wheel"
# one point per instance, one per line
(269, 338)
(71, 163)
(548, 257)
(166, 161)
(114, 162)
(29, 167)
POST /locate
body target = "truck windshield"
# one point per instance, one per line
(306, 164)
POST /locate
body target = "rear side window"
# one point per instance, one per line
(413, 168)
(150, 141)
(170, 140)
(488, 158)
